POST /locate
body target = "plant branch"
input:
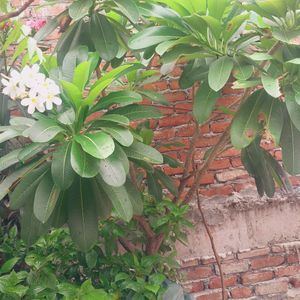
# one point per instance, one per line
(127, 245)
(16, 12)
(213, 246)
(145, 226)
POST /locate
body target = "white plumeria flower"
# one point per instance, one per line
(48, 86)
(26, 30)
(50, 99)
(34, 101)
(31, 77)
(12, 87)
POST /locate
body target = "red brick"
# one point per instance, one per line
(292, 258)
(190, 262)
(230, 153)
(219, 127)
(223, 190)
(207, 141)
(268, 261)
(250, 278)
(287, 271)
(229, 90)
(227, 100)
(253, 253)
(241, 292)
(175, 96)
(172, 146)
(174, 120)
(248, 184)
(174, 85)
(176, 72)
(183, 107)
(173, 171)
(209, 295)
(231, 175)
(235, 267)
(236, 162)
(157, 86)
(186, 131)
(205, 179)
(194, 287)
(164, 134)
(274, 286)
(167, 110)
(215, 283)
(198, 273)
(295, 281)
(220, 164)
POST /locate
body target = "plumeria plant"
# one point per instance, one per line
(75, 166)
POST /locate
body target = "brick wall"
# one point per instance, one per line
(268, 272)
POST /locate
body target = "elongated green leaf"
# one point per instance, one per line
(293, 107)
(9, 159)
(167, 182)
(31, 228)
(135, 197)
(129, 9)
(95, 92)
(234, 25)
(72, 91)
(104, 36)
(154, 187)
(67, 117)
(46, 196)
(21, 121)
(214, 25)
(216, 8)
(8, 134)
(82, 214)
(259, 56)
(155, 97)
(103, 203)
(99, 145)
(31, 150)
(120, 97)
(204, 102)
(112, 119)
(271, 85)
(122, 157)
(81, 74)
(80, 8)
(141, 151)
(243, 72)
(82, 163)
(219, 72)
(137, 112)
(153, 36)
(112, 171)
(8, 265)
(120, 134)
(59, 216)
(295, 61)
(120, 200)
(25, 190)
(44, 130)
(290, 144)
(245, 125)
(61, 168)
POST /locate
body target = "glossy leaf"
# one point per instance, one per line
(99, 145)
(81, 75)
(135, 197)
(82, 163)
(82, 214)
(9, 159)
(219, 72)
(293, 107)
(204, 102)
(167, 182)
(271, 85)
(80, 8)
(120, 134)
(46, 196)
(129, 9)
(61, 169)
(31, 150)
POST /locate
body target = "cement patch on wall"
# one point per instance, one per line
(243, 221)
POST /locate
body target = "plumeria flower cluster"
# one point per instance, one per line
(33, 89)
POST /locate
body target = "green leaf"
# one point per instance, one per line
(80, 8)
(31, 150)
(67, 117)
(234, 25)
(295, 61)
(152, 36)
(217, 8)
(81, 75)
(245, 124)
(219, 72)
(99, 145)
(112, 171)
(243, 72)
(31, 228)
(8, 265)
(154, 187)
(120, 97)
(8, 134)
(25, 189)
(104, 37)
(141, 151)
(120, 134)
(129, 9)
(293, 107)
(155, 97)
(137, 112)
(214, 25)
(72, 91)
(95, 91)
(82, 163)
(44, 130)
(61, 168)
(259, 56)
(46, 196)
(120, 200)
(112, 118)
(271, 85)
(135, 197)
(204, 102)
(167, 182)
(290, 144)
(9, 159)
(82, 214)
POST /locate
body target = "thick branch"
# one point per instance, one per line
(127, 245)
(145, 226)
(16, 12)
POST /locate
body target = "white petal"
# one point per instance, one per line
(35, 68)
(57, 101)
(4, 82)
(26, 101)
(31, 109)
(49, 105)
(40, 107)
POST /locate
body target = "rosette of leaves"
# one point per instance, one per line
(252, 42)
(75, 170)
